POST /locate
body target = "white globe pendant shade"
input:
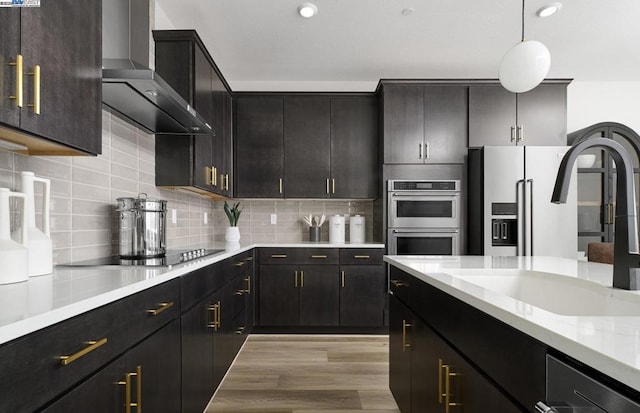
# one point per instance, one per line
(524, 66)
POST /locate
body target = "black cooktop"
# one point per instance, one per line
(171, 258)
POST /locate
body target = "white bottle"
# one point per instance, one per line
(13, 255)
(336, 229)
(39, 241)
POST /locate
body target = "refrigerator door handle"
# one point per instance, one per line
(529, 223)
(521, 218)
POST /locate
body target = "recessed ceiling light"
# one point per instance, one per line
(308, 10)
(407, 12)
(549, 9)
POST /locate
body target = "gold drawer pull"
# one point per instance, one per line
(163, 306)
(249, 259)
(239, 330)
(36, 89)
(238, 264)
(278, 255)
(447, 386)
(215, 324)
(318, 256)
(342, 276)
(128, 404)
(248, 280)
(239, 292)
(398, 283)
(91, 345)
(18, 95)
(405, 345)
(361, 257)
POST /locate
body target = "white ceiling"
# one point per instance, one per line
(265, 45)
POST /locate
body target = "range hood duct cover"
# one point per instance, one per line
(132, 90)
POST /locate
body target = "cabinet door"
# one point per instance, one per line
(319, 295)
(445, 135)
(203, 102)
(542, 113)
(362, 295)
(259, 159)
(223, 340)
(226, 144)
(160, 365)
(492, 114)
(427, 380)
(354, 148)
(307, 147)
(64, 38)
(9, 49)
(279, 295)
(197, 357)
(400, 321)
(403, 120)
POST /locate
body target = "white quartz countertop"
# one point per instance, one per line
(610, 344)
(46, 300)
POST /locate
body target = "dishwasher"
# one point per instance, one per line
(571, 391)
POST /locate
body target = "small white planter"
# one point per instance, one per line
(232, 234)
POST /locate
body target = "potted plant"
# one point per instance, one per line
(233, 214)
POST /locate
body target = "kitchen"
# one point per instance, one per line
(85, 189)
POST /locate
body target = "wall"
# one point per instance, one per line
(594, 102)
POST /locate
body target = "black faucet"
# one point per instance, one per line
(626, 258)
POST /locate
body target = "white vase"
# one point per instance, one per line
(232, 234)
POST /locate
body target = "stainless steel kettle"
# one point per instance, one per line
(142, 227)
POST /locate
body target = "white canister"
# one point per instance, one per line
(356, 229)
(336, 229)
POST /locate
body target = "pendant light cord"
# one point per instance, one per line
(522, 20)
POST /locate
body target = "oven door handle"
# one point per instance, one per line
(427, 231)
(422, 195)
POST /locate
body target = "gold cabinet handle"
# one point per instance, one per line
(208, 174)
(398, 283)
(18, 96)
(128, 403)
(278, 255)
(318, 256)
(295, 281)
(405, 345)
(361, 257)
(215, 308)
(441, 366)
(239, 330)
(91, 345)
(280, 185)
(249, 259)
(248, 290)
(342, 276)
(218, 322)
(333, 186)
(161, 308)
(328, 185)
(239, 292)
(36, 89)
(238, 264)
(226, 180)
(301, 279)
(448, 404)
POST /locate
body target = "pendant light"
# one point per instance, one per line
(525, 65)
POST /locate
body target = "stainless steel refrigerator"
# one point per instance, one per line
(509, 203)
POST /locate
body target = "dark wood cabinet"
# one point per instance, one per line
(312, 287)
(148, 375)
(199, 163)
(400, 325)
(306, 146)
(499, 117)
(424, 124)
(354, 148)
(61, 50)
(259, 147)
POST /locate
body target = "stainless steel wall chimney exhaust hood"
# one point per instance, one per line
(129, 87)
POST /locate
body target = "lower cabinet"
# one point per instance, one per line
(310, 287)
(427, 375)
(145, 378)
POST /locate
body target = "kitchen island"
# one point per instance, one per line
(471, 301)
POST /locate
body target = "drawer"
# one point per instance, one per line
(198, 284)
(361, 256)
(279, 256)
(400, 285)
(33, 371)
(239, 264)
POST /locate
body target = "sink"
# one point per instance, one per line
(555, 293)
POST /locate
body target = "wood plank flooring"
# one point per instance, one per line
(308, 374)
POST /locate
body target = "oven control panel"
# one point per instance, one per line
(424, 185)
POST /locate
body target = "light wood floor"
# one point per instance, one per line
(307, 374)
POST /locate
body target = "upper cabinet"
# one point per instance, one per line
(51, 77)
(306, 146)
(424, 124)
(199, 163)
(499, 117)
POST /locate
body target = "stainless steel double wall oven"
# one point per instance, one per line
(423, 217)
